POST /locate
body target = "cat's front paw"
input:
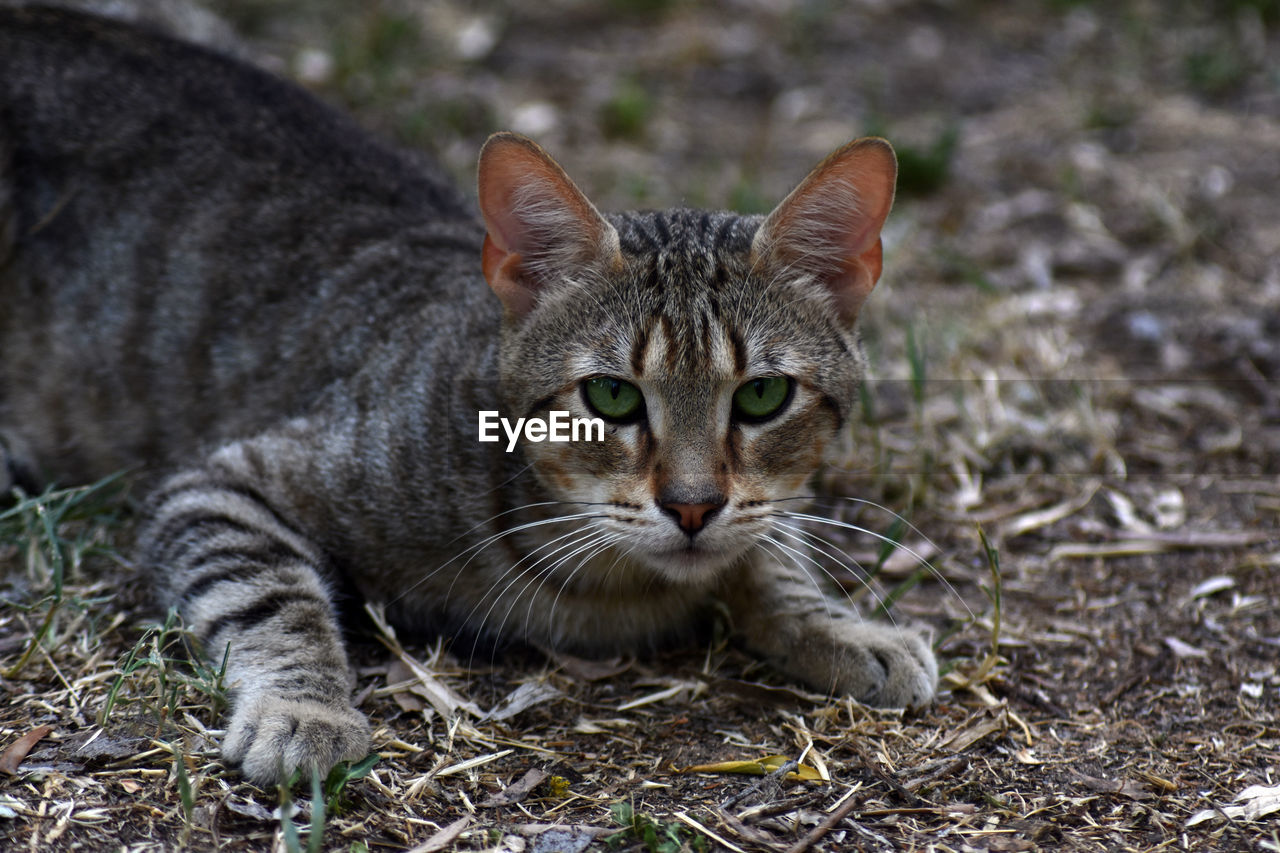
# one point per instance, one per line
(887, 667)
(272, 736)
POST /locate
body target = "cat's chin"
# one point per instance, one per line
(692, 564)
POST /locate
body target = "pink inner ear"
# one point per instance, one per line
(502, 271)
(831, 223)
(870, 167)
(506, 164)
(852, 288)
(536, 219)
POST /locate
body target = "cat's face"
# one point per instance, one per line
(720, 387)
(721, 358)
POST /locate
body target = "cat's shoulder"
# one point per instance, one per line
(57, 63)
(98, 89)
(42, 44)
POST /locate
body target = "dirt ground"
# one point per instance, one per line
(1075, 349)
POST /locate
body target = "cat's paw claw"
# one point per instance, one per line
(911, 674)
(273, 736)
(891, 669)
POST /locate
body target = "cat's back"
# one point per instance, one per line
(76, 85)
(189, 246)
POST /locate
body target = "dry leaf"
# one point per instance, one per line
(1121, 548)
(588, 670)
(979, 729)
(1211, 538)
(1160, 782)
(1211, 586)
(516, 791)
(600, 727)
(1159, 541)
(445, 837)
(478, 761)
(764, 694)
(1184, 650)
(1127, 514)
(18, 750)
(250, 809)
(425, 684)
(758, 767)
(1258, 801)
(408, 703)
(1036, 519)
(723, 842)
(1124, 787)
(695, 689)
(103, 746)
(525, 696)
(1169, 509)
(907, 556)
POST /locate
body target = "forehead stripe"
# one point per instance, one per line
(638, 347)
(673, 344)
(739, 350)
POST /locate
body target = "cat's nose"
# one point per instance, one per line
(692, 517)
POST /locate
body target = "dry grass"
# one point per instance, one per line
(1075, 350)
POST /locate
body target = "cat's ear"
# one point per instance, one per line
(829, 226)
(540, 226)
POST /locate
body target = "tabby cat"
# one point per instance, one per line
(208, 274)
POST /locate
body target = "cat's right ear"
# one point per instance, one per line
(829, 226)
(540, 226)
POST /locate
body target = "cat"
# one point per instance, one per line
(291, 329)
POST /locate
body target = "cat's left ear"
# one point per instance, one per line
(829, 226)
(540, 226)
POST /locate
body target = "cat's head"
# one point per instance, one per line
(719, 349)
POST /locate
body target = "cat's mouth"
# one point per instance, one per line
(693, 560)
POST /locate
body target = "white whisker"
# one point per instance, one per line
(802, 536)
(579, 546)
(603, 544)
(785, 550)
(480, 546)
(920, 558)
(543, 553)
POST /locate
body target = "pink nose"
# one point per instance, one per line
(691, 517)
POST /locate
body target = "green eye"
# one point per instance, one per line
(761, 398)
(615, 399)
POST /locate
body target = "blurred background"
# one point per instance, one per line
(1114, 165)
(1087, 208)
(1080, 311)
(1075, 345)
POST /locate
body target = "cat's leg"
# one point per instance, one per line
(782, 614)
(249, 584)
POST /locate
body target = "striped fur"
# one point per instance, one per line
(284, 326)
